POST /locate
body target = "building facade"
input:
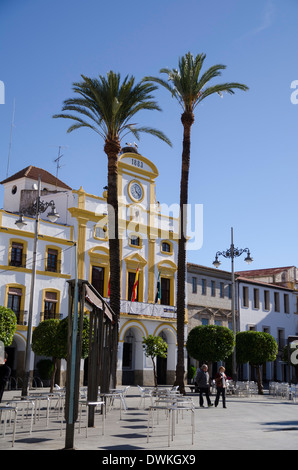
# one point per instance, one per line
(265, 301)
(148, 248)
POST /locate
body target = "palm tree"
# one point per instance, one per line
(189, 86)
(107, 106)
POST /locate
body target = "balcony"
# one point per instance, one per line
(50, 316)
(22, 317)
(53, 266)
(18, 261)
(147, 310)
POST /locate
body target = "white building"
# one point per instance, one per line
(269, 308)
(148, 245)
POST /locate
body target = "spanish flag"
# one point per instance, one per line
(135, 287)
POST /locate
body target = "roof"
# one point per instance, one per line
(263, 272)
(33, 172)
(262, 283)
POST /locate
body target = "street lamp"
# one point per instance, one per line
(232, 253)
(38, 208)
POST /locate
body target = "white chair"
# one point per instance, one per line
(145, 393)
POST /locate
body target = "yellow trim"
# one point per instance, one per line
(104, 227)
(99, 256)
(24, 254)
(129, 191)
(171, 247)
(56, 291)
(18, 286)
(59, 257)
(140, 283)
(137, 235)
(135, 169)
(130, 324)
(162, 325)
(167, 270)
(151, 271)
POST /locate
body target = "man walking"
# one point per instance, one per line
(5, 372)
(202, 382)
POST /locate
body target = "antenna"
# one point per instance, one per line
(10, 140)
(57, 161)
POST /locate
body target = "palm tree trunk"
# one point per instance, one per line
(187, 120)
(112, 149)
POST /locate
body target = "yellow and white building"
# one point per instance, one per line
(148, 249)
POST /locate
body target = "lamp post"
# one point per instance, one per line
(37, 208)
(232, 253)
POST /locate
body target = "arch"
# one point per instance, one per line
(132, 324)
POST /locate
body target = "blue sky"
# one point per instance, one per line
(244, 149)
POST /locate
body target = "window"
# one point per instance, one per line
(97, 279)
(266, 300)
(203, 286)
(230, 291)
(100, 232)
(194, 285)
(17, 254)
(286, 303)
(52, 260)
(166, 247)
(256, 298)
(222, 290)
(218, 322)
(245, 296)
(205, 321)
(165, 291)
(50, 305)
(276, 302)
(131, 282)
(213, 288)
(134, 240)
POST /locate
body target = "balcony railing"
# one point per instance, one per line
(50, 316)
(22, 317)
(53, 267)
(18, 262)
(148, 310)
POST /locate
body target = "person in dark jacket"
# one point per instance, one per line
(5, 372)
(202, 383)
(220, 381)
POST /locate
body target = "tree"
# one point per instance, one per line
(256, 348)
(8, 325)
(50, 339)
(210, 343)
(107, 106)
(45, 343)
(190, 89)
(155, 346)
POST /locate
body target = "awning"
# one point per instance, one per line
(97, 302)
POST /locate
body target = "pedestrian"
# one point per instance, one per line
(202, 383)
(220, 381)
(5, 372)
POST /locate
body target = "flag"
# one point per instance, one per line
(158, 290)
(135, 287)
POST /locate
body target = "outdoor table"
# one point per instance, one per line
(92, 403)
(110, 397)
(170, 409)
(21, 404)
(3, 411)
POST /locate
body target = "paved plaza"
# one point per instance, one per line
(248, 423)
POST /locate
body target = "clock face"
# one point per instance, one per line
(136, 191)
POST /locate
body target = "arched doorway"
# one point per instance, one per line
(128, 358)
(161, 365)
